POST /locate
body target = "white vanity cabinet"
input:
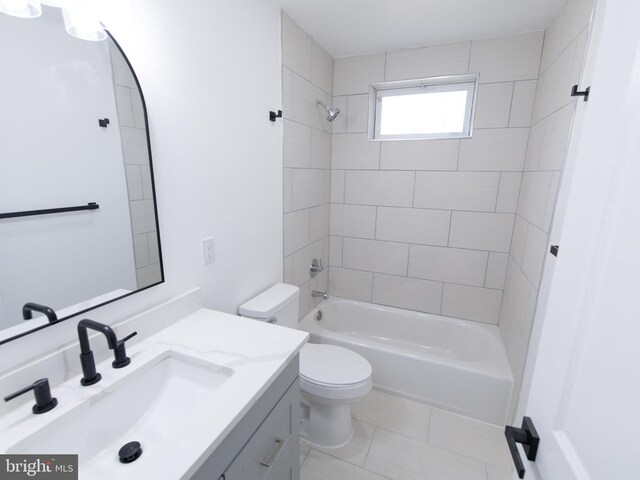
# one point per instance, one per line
(264, 444)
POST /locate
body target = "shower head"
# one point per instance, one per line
(333, 112)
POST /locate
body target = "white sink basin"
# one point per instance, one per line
(147, 406)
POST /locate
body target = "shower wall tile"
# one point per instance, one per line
(500, 149)
(335, 251)
(410, 293)
(420, 155)
(375, 256)
(524, 94)
(357, 113)
(307, 76)
(337, 186)
(321, 68)
(467, 267)
(353, 75)
(379, 188)
(457, 190)
(339, 125)
(442, 209)
(493, 105)
(296, 145)
(496, 270)
(296, 47)
(353, 284)
(514, 57)
(320, 149)
(308, 188)
(296, 231)
(508, 192)
(481, 231)
(410, 225)
(353, 221)
(431, 61)
(471, 303)
(354, 152)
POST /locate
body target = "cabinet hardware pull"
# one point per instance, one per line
(267, 463)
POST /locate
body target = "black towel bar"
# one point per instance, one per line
(29, 213)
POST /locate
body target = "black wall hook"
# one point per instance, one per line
(103, 122)
(274, 115)
(576, 93)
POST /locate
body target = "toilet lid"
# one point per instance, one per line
(332, 365)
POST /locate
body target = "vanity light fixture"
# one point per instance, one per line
(21, 8)
(79, 20)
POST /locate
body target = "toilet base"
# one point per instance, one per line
(326, 426)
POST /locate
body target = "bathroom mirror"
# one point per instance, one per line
(78, 216)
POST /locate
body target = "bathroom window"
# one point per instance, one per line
(427, 108)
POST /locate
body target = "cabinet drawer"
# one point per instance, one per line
(265, 453)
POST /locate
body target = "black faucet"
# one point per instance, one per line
(89, 374)
(48, 312)
(42, 392)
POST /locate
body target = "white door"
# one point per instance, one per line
(584, 395)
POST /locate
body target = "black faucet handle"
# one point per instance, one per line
(42, 392)
(120, 352)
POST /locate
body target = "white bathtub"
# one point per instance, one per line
(451, 364)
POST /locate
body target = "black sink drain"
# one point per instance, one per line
(130, 452)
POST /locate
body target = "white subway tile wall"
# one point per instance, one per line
(426, 225)
(550, 116)
(307, 148)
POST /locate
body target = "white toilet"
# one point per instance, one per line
(331, 377)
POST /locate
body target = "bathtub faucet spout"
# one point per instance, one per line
(317, 294)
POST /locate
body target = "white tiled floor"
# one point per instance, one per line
(398, 439)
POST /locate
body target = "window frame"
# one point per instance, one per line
(377, 91)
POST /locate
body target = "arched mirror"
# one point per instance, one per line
(78, 216)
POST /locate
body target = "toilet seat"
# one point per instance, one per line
(333, 372)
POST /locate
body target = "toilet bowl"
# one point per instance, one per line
(331, 377)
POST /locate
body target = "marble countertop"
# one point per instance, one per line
(256, 352)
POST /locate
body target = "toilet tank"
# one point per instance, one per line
(278, 304)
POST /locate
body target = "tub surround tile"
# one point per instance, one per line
(494, 149)
(296, 145)
(395, 414)
(321, 68)
(388, 188)
(493, 105)
(481, 231)
(308, 188)
(296, 47)
(337, 186)
(335, 251)
(353, 221)
(355, 152)
(508, 192)
(431, 61)
(409, 293)
(473, 439)
(409, 225)
(398, 457)
(420, 155)
(320, 149)
(448, 264)
(357, 113)
(496, 270)
(471, 303)
(356, 450)
(318, 222)
(475, 191)
(375, 256)
(296, 231)
(522, 106)
(513, 57)
(350, 283)
(354, 74)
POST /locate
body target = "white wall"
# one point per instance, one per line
(426, 224)
(54, 154)
(210, 72)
